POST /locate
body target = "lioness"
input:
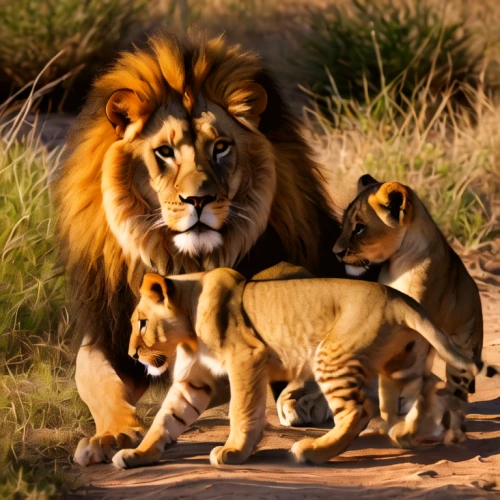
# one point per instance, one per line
(217, 323)
(387, 223)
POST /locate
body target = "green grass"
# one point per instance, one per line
(32, 32)
(40, 413)
(355, 53)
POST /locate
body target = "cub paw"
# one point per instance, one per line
(304, 451)
(454, 436)
(401, 437)
(102, 447)
(222, 455)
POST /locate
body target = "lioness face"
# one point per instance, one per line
(158, 326)
(373, 225)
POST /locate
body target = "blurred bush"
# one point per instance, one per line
(379, 46)
(33, 31)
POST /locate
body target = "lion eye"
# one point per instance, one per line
(164, 152)
(359, 229)
(221, 148)
(143, 323)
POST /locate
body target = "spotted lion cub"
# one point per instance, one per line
(387, 223)
(217, 324)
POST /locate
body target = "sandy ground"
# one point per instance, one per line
(371, 468)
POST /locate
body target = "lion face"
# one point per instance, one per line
(200, 177)
(195, 171)
(373, 226)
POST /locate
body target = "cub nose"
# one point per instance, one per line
(198, 202)
(340, 254)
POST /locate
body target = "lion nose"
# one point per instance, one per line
(198, 202)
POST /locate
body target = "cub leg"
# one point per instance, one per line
(342, 382)
(111, 400)
(458, 385)
(389, 392)
(403, 431)
(302, 403)
(247, 409)
(186, 400)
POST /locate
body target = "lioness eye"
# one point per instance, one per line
(142, 326)
(221, 148)
(164, 152)
(358, 230)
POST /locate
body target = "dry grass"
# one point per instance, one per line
(449, 154)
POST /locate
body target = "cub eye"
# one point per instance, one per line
(221, 148)
(164, 152)
(143, 323)
(359, 229)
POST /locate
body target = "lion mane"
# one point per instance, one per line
(104, 266)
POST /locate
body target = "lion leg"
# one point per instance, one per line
(111, 401)
(186, 400)
(302, 403)
(247, 409)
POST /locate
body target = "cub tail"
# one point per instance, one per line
(416, 319)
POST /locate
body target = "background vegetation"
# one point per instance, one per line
(403, 89)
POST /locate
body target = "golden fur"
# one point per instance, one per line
(184, 158)
(218, 323)
(387, 223)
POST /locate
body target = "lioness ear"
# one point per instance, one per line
(156, 287)
(365, 181)
(127, 112)
(248, 104)
(391, 204)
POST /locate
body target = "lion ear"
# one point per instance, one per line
(391, 203)
(248, 105)
(127, 113)
(156, 287)
(365, 181)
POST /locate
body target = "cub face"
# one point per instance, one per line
(158, 324)
(373, 225)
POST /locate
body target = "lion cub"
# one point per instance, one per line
(387, 223)
(217, 324)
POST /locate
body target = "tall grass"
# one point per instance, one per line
(450, 158)
(40, 413)
(390, 45)
(32, 32)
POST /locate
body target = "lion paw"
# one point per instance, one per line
(222, 455)
(102, 447)
(299, 408)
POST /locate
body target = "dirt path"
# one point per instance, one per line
(371, 468)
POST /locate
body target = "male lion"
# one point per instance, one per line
(185, 158)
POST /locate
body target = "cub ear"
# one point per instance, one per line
(156, 287)
(127, 113)
(248, 104)
(391, 203)
(365, 181)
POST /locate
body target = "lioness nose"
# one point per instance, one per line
(198, 202)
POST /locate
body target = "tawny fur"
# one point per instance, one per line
(399, 232)
(122, 211)
(218, 323)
